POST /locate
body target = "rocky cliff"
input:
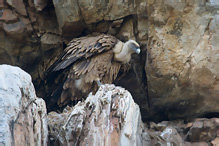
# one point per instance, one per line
(182, 58)
(23, 118)
(176, 75)
(110, 117)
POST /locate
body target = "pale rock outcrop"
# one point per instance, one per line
(23, 118)
(215, 142)
(110, 117)
(182, 57)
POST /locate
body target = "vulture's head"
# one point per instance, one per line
(133, 46)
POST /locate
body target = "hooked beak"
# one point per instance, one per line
(138, 50)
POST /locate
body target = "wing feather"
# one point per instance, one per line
(112, 73)
(83, 48)
(90, 59)
(97, 67)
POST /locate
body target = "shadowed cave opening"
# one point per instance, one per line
(210, 115)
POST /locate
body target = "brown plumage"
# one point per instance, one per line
(87, 60)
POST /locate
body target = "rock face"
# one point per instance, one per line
(28, 35)
(176, 75)
(74, 16)
(201, 132)
(23, 116)
(33, 33)
(182, 61)
(110, 117)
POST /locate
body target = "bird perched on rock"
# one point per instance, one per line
(86, 63)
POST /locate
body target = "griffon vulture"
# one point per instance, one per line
(85, 63)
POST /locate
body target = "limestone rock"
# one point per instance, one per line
(196, 144)
(69, 17)
(215, 142)
(203, 130)
(182, 61)
(23, 115)
(36, 31)
(27, 41)
(40, 4)
(8, 15)
(108, 118)
(170, 136)
(50, 39)
(200, 132)
(14, 28)
(179, 39)
(74, 16)
(127, 31)
(18, 5)
(94, 11)
(1, 4)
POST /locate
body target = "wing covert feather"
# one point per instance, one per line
(83, 48)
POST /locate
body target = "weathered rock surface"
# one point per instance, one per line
(75, 16)
(179, 78)
(23, 118)
(29, 35)
(182, 58)
(110, 117)
(204, 131)
(33, 33)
